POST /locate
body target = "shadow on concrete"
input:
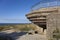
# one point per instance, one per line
(11, 36)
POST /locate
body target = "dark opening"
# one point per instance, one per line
(30, 33)
(43, 26)
(36, 32)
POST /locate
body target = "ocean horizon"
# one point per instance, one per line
(13, 23)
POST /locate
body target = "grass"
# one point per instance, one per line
(21, 27)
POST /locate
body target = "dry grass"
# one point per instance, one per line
(21, 27)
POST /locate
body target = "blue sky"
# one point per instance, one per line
(14, 11)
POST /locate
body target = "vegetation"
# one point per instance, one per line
(21, 27)
(4, 27)
(25, 29)
(50, 39)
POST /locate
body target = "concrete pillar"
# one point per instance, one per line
(45, 31)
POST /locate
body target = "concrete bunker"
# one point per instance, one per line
(39, 17)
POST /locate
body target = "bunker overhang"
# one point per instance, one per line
(39, 16)
(40, 10)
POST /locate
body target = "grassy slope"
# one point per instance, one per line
(21, 27)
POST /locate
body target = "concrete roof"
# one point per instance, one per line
(49, 9)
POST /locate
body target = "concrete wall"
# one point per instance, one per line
(53, 23)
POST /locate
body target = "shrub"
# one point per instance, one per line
(25, 29)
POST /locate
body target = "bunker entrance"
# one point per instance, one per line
(43, 26)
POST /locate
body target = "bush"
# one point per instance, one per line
(50, 39)
(25, 29)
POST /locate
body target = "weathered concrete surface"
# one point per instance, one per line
(33, 37)
(53, 24)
